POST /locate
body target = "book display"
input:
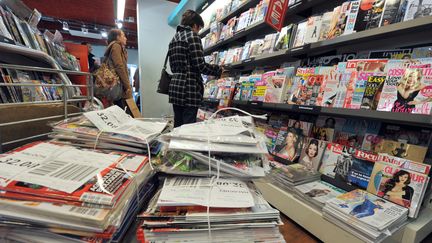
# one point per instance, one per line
(363, 101)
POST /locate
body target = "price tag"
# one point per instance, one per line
(109, 119)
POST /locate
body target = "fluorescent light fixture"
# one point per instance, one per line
(121, 4)
(104, 34)
(65, 26)
(120, 25)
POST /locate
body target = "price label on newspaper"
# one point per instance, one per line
(57, 167)
(196, 191)
(217, 127)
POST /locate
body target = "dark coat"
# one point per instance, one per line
(187, 64)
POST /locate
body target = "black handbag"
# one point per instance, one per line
(164, 80)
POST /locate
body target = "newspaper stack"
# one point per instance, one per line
(288, 176)
(228, 146)
(110, 129)
(236, 213)
(317, 193)
(365, 215)
(60, 191)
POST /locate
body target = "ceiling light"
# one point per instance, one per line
(121, 4)
(120, 25)
(104, 34)
(65, 26)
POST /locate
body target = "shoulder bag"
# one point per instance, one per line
(164, 80)
(107, 81)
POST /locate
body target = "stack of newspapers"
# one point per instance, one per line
(59, 193)
(195, 209)
(365, 215)
(224, 146)
(109, 129)
(317, 193)
(288, 176)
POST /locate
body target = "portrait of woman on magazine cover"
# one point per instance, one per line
(289, 150)
(311, 152)
(407, 90)
(397, 190)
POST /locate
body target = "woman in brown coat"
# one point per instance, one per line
(117, 54)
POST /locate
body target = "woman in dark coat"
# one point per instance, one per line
(187, 64)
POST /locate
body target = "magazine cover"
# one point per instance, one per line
(341, 14)
(312, 153)
(372, 92)
(278, 86)
(320, 191)
(295, 172)
(344, 79)
(407, 134)
(309, 91)
(325, 126)
(302, 128)
(284, 38)
(332, 32)
(404, 163)
(260, 85)
(422, 52)
(299, 39)
(418, 8)
(401, 186)
(329, 87)
(368, 208)
(403, 150)
(293, 94)
(313, 27)
(325, 25)
(247, 89)
(326, 72)
(369, 14)
(336, 162)
(352, 17)
(359, 89)
(352, 133)
(288, 144)
(361, 169)
(390, 12)
(390, 89)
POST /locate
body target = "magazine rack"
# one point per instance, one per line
(31, 60)
(410, 33)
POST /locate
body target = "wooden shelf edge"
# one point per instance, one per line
(311, 219)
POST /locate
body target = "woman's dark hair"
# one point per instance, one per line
(191, 18)
(113, 35)
(391, 183)
(333, 121)
(314, 142)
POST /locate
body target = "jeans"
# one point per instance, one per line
(184, 115)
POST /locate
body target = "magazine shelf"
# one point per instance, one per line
(394, 117)
(389, 36)
(243, 7)
(251, 29)
(312, 220)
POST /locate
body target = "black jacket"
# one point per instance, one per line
(187, 64)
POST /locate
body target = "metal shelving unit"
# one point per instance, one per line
(400, 35)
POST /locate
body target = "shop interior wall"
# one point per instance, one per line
(154, 35)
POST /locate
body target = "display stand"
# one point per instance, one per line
(311, 219)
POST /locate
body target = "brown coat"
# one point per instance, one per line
(118, 60)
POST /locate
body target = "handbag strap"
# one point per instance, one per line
(166, 61)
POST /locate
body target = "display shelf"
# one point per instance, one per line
(394, 117)
(240, 9)
(386, 34)
(258, 26)
(311, 219)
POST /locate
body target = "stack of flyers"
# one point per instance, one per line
(368, 216)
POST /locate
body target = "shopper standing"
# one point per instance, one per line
(187, 64)
(117, 55)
